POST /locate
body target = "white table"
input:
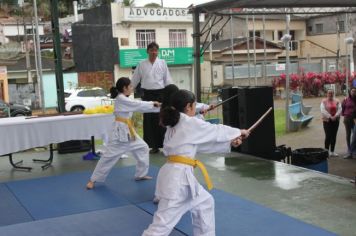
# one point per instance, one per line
(21, 133)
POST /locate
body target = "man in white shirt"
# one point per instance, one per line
(154, 76)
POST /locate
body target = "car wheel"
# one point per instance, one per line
(77, 108)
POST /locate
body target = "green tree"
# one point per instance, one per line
(153, 5)
(128, 3)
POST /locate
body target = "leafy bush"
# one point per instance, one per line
(311, 83)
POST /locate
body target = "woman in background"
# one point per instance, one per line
(348, 107)
(330, 110)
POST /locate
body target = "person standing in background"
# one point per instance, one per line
(353, 142)
(330, 110)
(348, 107)
(153, 76)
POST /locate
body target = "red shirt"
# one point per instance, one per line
(331, 106)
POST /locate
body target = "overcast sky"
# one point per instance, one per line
(171, 3)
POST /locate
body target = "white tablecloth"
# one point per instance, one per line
(19, 133)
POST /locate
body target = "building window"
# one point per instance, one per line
(216, 36)
(310, 28)
(319, 28)
(177, 38)
(341, 25)
(145, 37)
(280, 34)
(257, 34)
(124, 41)
(30, 31)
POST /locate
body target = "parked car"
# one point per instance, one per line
(82, 98)
(15, 109)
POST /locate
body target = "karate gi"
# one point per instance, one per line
(177, 188)
(121, 142)
(153, 78)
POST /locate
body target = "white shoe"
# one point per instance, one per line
(334, 154)
(348, 156)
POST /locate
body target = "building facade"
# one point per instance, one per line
(317, 43)
(171, 28)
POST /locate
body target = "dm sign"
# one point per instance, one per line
(172, 56)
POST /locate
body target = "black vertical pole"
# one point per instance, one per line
(57, 55)
(196, 54)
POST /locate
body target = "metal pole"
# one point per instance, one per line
(34, 41)
(196, 54)
(287, 72)
(248, 51)
(57, 55)
(352, 65)
(39, 59)
(254, 49)
(75, 10)
(232, 50)
(337, 43)
(18, 30)
(347, 55)
(27, 54)
(211, 58)
(264, 50)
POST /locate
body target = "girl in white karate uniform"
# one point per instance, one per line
(177, 188)
(201, 108)
(124, 138)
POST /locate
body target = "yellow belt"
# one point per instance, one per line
(194, 163)
(129, 124)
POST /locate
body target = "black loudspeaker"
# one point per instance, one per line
(252, 103)
(230, 109)
(74, 146)
(230, 114)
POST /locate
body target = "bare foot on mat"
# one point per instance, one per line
(90, 185)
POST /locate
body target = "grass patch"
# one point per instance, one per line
(280, 122)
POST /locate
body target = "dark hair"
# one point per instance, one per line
(350, 90)
(169, 116)
(167, 94)
(152, 45)
(350, 96)
(119, 88)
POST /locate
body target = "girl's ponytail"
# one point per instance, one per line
(169, 116)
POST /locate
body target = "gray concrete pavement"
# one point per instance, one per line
(313, 136)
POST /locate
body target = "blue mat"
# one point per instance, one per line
(125, 221)
(122, 180)
(63, 195)
(237, 216)
(11, 211)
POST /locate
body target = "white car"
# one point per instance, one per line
(82, 98)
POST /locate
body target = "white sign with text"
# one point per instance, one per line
(159, 14)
